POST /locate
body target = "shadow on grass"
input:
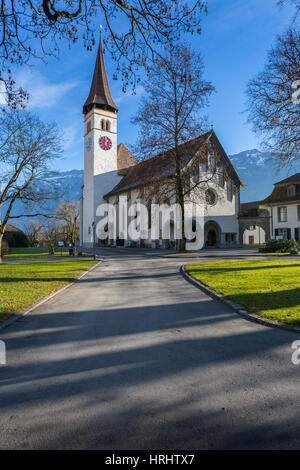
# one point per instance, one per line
(194, 270)
(38, 279)
(268, 301)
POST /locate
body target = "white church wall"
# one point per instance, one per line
(224, 213)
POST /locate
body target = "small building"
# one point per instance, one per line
(284, 207)
(254, 222)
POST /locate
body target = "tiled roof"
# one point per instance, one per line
(163, 166)
(249, 209)
(12, 228)
(291, 179)
(125, 159)
(245, 206)
(279, 194)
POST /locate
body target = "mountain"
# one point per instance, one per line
(253, 167)
(257, 171)
(68, 182)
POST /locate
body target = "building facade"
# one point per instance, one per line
(111, 173)
(284, 207)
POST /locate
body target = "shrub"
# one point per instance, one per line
(281, 246)
(4, 249)
(18, 240)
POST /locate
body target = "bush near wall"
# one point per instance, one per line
(280, 246)
(18, 240)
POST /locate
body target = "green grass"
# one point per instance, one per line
(269, 288)
(18, 253)
(276, 253)
(22, 284)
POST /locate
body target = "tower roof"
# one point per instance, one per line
(99, 96)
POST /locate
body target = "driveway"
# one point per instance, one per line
(134, 357)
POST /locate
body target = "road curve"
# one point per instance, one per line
(135, 357)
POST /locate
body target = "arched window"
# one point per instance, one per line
(108, 125)
(103, 124)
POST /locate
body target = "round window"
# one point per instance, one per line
(210, 197)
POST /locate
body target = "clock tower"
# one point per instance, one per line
(100, 149)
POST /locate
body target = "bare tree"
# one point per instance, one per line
(27, 147)
(170, 123)
(272, 110)
(34, 231)
(53, 232)
(67, 212)
(295, 3)
(35, 28)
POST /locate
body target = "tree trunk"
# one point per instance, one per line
(180, 198)
(1, 238)
(182, 243)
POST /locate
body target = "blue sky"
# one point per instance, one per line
(236, 37)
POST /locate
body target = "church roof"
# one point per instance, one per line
(99, 95)
(125, 159)
(163, 166)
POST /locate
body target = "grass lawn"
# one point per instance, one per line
(35, 252)
(22, 284)
(278, 254)
(269, 288)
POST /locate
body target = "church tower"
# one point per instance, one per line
(100, 149)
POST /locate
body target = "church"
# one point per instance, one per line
(112, 172)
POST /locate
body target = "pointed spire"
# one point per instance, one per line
(99, 96)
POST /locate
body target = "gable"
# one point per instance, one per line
(163, 166)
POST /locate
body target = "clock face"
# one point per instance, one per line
(105, 143)
(88, 144)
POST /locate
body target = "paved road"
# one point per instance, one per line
(133, 356)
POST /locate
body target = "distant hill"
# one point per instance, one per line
(254, 168)
(257, 171)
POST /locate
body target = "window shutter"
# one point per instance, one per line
(297, 234)
(276, 232)
(288, 230)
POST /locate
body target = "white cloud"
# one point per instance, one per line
(43, 94)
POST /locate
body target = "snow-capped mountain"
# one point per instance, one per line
(258, 172)
(255, 168)
(70, 183)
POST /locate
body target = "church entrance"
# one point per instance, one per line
(211, 238)
(212, 234)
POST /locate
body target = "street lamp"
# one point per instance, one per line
(94, 239)
(75, 221)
